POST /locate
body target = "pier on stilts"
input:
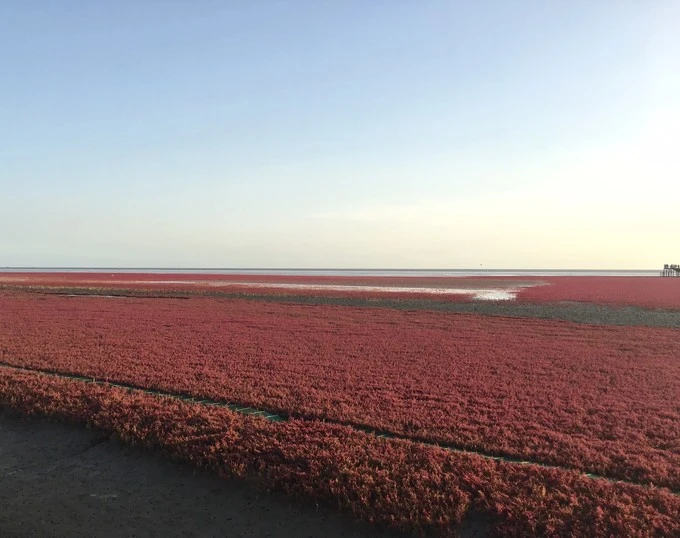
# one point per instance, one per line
(672, 269)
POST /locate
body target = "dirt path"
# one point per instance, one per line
(59, 480)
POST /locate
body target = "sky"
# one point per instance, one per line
(350, 134)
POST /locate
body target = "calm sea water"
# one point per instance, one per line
(335, 272)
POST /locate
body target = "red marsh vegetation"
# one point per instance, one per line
(647, 292)
(399, 484)
(592, 398)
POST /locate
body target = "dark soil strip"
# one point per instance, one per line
(238, 408)
(586, 313)
(61, 480)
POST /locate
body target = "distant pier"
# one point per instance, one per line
(672, 269)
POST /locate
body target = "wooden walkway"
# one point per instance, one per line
(672, 269)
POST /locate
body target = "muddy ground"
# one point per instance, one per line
(566, 311)
(59, 480)
(65, 481)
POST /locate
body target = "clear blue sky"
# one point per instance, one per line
(511, 134)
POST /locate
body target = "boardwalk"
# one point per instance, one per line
(672, 269)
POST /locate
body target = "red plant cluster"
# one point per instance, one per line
(399, 484)
(647, 292)
(593, 398)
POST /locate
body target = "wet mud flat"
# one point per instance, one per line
(577, 312)
(61, 480)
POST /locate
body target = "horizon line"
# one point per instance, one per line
(165, 268)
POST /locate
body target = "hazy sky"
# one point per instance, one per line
(511, 134)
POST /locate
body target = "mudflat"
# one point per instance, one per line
(60, 480)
